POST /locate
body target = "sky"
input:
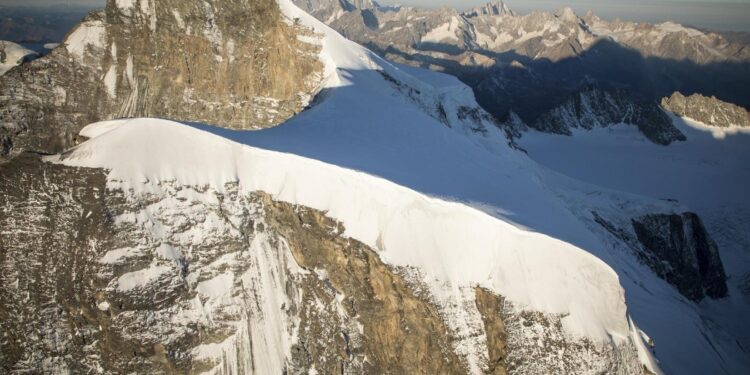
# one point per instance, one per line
(726, 15)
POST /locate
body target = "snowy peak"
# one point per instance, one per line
(363, 4)
(671, 40)
(391, 226)
(566, 14)
(498, 8)
(12, 55)
(557, 50)
(373, 153)
(331, 10)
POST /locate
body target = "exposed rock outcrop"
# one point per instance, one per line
(492, 306)
(239, 285)
(235, 64)
(597, 108)
(708, 110)
(490, 9)
(679, 249)
(745, 285)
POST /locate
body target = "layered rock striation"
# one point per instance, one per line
(708, 110)
(240, 64)
(593, 107)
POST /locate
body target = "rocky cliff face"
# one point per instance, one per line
(490, 9)
(678, 249)
(708, 110)
(238, 64)
(596, 108)
(183, 279)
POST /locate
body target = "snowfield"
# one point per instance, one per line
(15, 54)
(385, 153)
(448, 241)
(708, 174)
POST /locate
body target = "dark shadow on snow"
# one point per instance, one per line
(531, 87)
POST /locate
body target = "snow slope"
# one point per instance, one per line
(14, 55)
(451, 243)
(708, 174)
(378, 130)
(384, 152)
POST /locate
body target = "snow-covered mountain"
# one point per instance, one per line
(529, 64)
(12, 55)
(490, 9)
(331, 10)
(394, 226)
(495, 28)
(708, 173)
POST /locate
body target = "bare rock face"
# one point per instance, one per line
(236, 64)
(682, 252)
(490, 9)
(239, 285)
(593, 107)
(677, 248)
(708, 110)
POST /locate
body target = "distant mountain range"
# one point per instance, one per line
(39, 24)
(530, 64)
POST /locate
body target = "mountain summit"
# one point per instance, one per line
(490, 9)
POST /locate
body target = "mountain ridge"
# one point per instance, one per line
(710, 111)
(392, 224)
(529, 64)
(182, 170)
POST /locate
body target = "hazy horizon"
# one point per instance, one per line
(720, 15)
(715, 15)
